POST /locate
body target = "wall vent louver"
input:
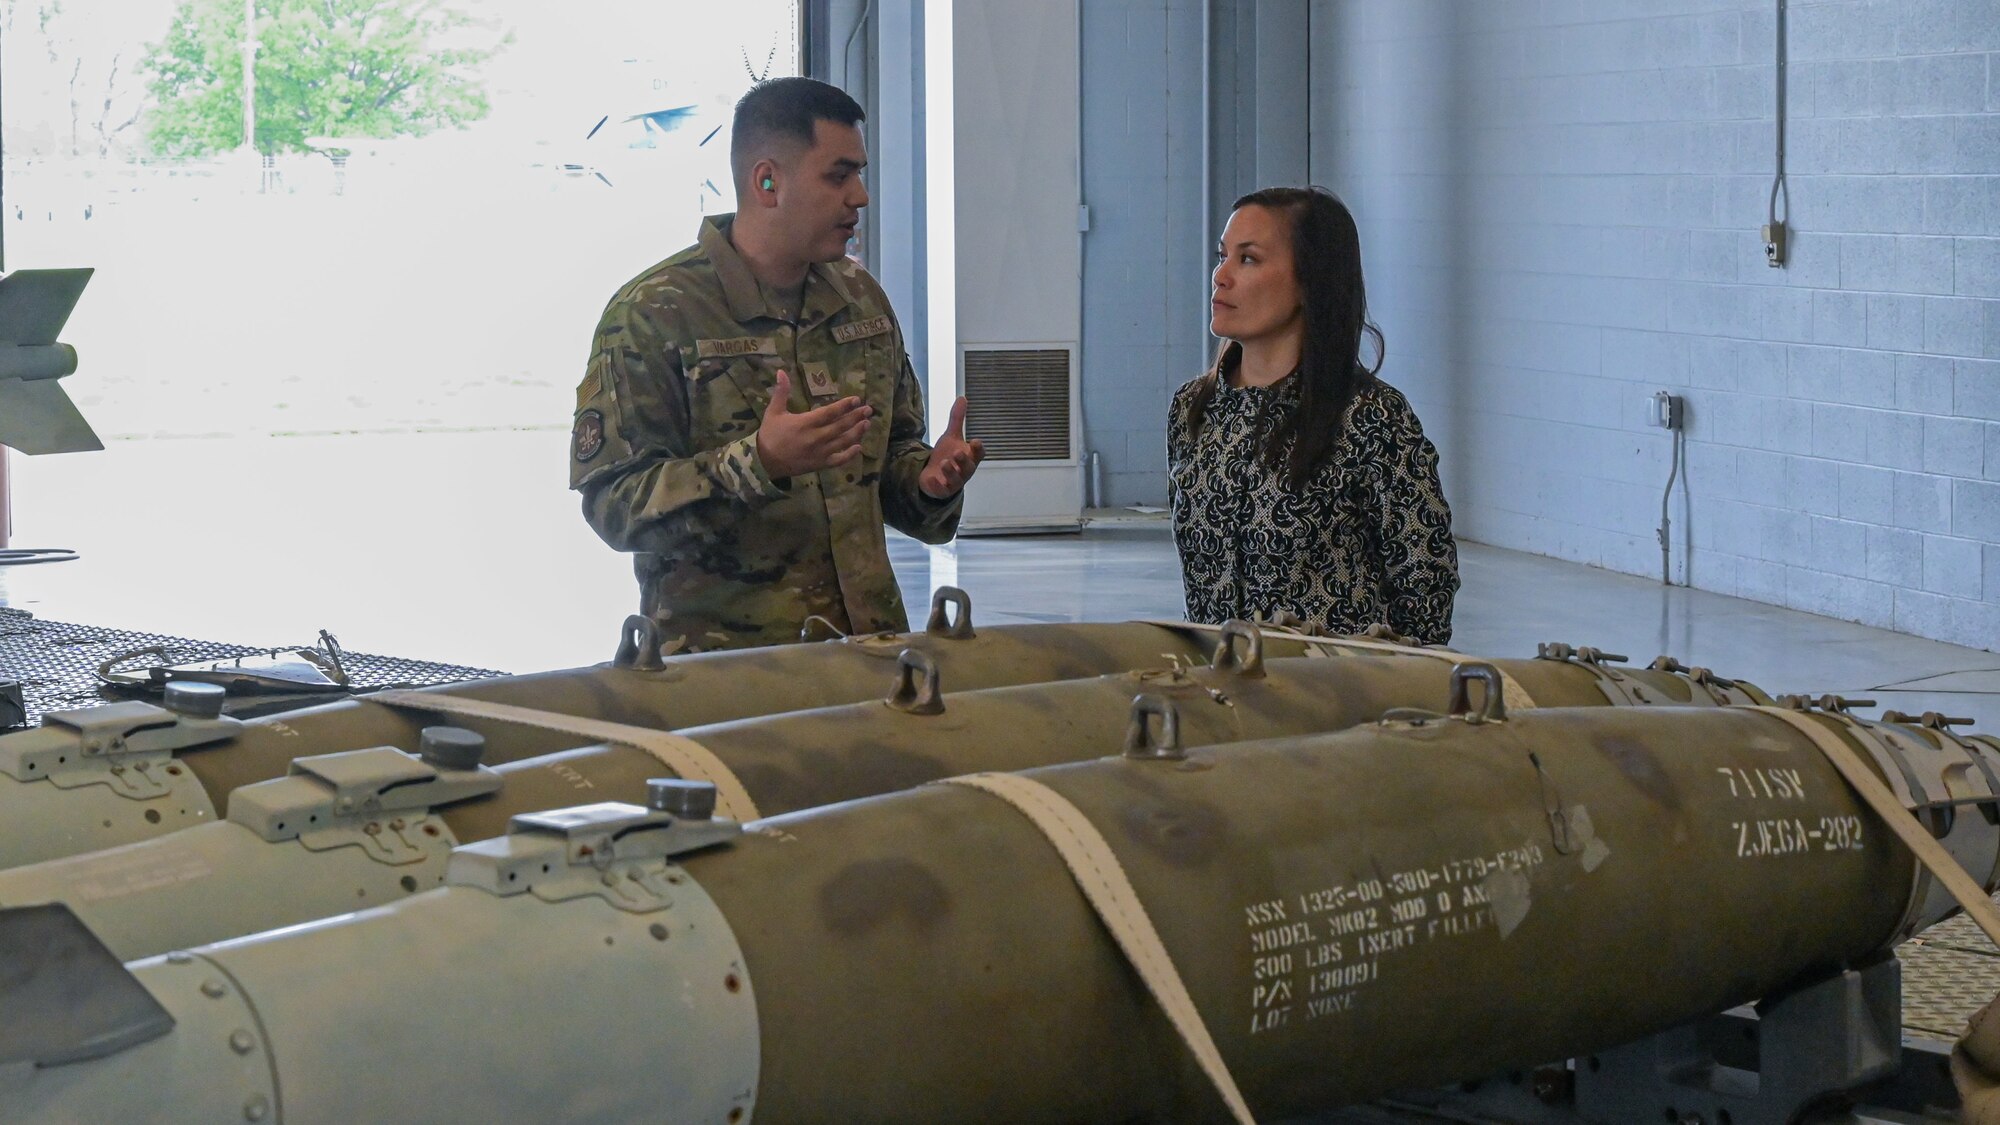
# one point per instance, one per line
(1019, 402)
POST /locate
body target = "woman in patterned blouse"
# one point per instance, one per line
(1300, 481)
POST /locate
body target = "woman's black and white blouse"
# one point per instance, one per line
(1368, 540)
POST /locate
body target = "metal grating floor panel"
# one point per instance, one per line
(1959, 932)
(1943, 987)
(56, 662)
(1950, 971)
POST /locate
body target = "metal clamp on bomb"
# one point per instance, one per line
(1290, 622)
(1933, 773)
(618, 852)
(1381, 631)
(127, 746)
(1596, 657)
(1720, 689)
(1620, 689)
(1982, 749)
(1932, 720)
(1836, 704)
(378, 799)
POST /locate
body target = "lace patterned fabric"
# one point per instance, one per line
(1367, 540)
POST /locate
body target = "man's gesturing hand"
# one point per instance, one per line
(953, 459)
(789, 444)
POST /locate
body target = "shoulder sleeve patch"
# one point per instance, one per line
(598, 442)
(587, 437)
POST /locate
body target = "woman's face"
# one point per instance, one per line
(1256, 289)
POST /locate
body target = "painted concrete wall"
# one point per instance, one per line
(1145, 296)
(1560, 204)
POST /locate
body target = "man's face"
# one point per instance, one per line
(820, 194)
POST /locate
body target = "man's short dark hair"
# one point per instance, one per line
(784, 108)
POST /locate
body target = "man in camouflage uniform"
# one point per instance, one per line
(749, 418)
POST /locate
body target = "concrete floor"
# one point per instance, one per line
(465, 547)
(1510, 602)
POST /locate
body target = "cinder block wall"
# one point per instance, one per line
(1560, 203)
(1145, 276)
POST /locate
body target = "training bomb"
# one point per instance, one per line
(1350, 913)
(104, 776)
(363, 827)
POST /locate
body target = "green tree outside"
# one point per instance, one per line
(325, 68)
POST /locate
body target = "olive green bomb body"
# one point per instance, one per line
(365, 827)
(1351, 913)
(105, 776)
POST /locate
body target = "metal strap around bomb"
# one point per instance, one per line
(1104, 882)
(1512, 693)
(1928, 851)
(686, 757)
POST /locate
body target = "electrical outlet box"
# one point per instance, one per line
(1666, 410)
(1774, 245)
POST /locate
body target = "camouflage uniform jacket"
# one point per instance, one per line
(664, 449)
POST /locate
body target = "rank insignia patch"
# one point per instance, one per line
(819, 381)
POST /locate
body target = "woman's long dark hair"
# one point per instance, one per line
(1326, 260)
